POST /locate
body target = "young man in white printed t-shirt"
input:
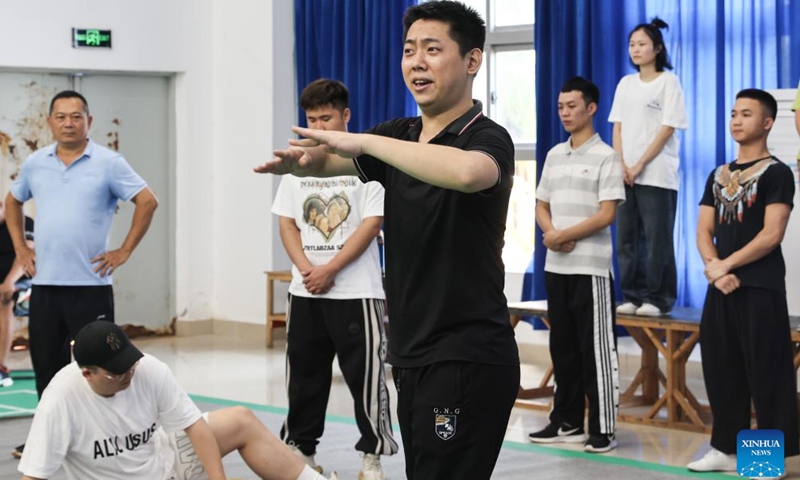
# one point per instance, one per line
(336, 299)
(116, 413)
(578, 194)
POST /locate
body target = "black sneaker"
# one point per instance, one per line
(558, 433)
(600, 443)
(17, 452)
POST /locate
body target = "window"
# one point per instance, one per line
(513, 98)
(506, 87)
(513, 12)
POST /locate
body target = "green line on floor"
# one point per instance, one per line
(627, 462)
(264, 408)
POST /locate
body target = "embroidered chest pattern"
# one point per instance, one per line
(734, 190)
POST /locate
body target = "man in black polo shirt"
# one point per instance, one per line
(448, 176)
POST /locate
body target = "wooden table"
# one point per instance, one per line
(275, 319)
(672, 338)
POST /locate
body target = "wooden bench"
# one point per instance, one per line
(672, 338)
(275, 319)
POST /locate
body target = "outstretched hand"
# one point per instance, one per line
(347, 145)
(304, 158)
(288, 161)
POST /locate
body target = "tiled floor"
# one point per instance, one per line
(246, 371)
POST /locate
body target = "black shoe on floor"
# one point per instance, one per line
(557, 433)
(17, 452)
(600, 443)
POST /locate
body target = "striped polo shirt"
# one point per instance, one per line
(574, 182)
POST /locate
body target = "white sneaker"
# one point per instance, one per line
(5, 377)
(714, 461)
(371, 469)
(334, 476)
(627, 308)
(308, 459)
(649, 310)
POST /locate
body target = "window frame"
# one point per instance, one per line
(498, 39)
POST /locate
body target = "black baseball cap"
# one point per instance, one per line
(103, 344)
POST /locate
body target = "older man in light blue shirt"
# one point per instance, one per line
(75, 207)
(76, 184)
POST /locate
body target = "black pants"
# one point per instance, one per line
(57, 315)
(645, 250)
(316, 330)
(453, 418)
(747, 354)
(583, 347)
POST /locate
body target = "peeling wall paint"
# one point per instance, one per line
(113, 136)
(24, 104)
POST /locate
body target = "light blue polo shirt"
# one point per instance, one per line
(74, 209)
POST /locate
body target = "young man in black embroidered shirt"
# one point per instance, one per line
(448, 176)
(744, 331)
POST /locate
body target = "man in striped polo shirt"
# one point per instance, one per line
(578, 194)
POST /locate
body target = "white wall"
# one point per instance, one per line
(221, 53)
(784, 143)
(243, 108)
(148, 35)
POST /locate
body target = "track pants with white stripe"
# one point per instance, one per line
(746, 343)
(316, 330)
(583, 347)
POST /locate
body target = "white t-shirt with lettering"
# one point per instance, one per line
(102, 438)
(327, 211)
(642, 108)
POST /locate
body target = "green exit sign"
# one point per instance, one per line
(87, 37)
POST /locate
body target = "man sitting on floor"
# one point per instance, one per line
(117, 413)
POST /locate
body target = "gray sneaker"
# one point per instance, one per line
(371, 468)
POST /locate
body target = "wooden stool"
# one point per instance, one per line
(275, 320)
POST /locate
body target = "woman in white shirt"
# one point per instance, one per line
(648, 108)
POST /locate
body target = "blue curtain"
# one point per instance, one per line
(717, 47)
(359, 42)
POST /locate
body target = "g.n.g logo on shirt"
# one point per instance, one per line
(445, 422)
(759, 453)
